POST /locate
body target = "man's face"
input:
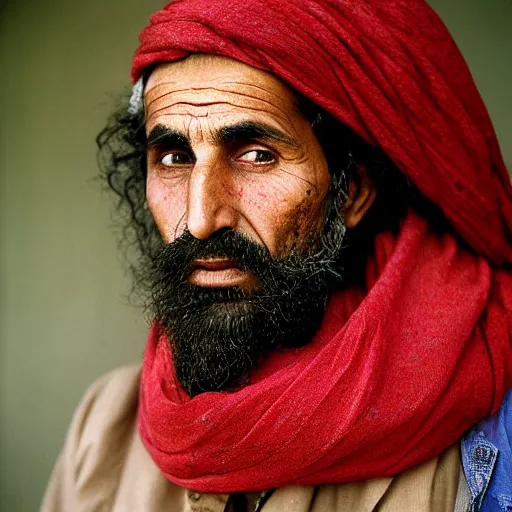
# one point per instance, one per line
(237, 184)
(234, 152)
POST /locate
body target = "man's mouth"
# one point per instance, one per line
(219, 273)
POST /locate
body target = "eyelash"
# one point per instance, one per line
(259, 151)
(174, 153)
(237, 159)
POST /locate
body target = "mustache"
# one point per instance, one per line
(245, 253)
(218, 335)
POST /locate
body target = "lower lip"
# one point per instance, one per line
(225, 277)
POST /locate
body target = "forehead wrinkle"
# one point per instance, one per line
(283, 120)
(209, 104)
(207, 131)
(258, 88)
(196, 135)
(154, 89)
(218, 91)
(216, 102)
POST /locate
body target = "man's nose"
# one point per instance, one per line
(211, 202)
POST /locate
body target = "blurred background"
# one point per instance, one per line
(64, 318)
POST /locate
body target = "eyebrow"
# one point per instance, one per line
(250, 130)
(245, 131)
(163, 136)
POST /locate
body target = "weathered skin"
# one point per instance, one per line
(271, 189)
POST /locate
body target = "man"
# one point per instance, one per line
(323, 218)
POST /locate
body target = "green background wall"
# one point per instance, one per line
(63, 318)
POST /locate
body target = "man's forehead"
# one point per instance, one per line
(201, 71)
(219, 89)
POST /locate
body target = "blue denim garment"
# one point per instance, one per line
(487, 460)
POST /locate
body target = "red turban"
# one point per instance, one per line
(396, 376)
(389, 69)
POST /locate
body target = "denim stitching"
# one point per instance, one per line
(479, 458)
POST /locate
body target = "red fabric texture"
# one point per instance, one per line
(389, 69)
(391, 379)
(398, 373)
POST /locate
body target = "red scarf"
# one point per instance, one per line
(387, 383)
(394, 376)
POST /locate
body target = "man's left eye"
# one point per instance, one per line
(257, 156)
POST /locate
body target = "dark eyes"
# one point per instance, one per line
(254, 157)
(257, 156)
(176, 158)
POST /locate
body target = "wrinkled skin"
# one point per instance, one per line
(271, 189)
(240, 190)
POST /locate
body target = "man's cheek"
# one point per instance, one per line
(168, 207)
(300, 226)
(270, 212)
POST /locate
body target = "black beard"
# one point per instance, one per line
(218, 335)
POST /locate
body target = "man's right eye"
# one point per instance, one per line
(175, 158)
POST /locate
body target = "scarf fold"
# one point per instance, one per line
(391, 379)
(398, 373)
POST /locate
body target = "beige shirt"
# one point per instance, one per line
(105, 467)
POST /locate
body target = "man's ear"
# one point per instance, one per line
(361, 195)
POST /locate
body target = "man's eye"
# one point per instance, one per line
(257, 156)
(176, 158)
